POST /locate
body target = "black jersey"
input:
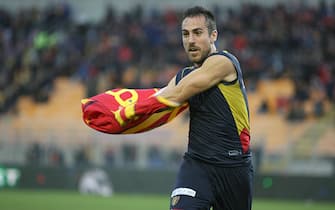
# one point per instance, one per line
(219, 121)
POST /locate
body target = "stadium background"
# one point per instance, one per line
(53, 53)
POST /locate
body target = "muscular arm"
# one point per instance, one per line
(214, 70)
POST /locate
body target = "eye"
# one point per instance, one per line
(198, 32)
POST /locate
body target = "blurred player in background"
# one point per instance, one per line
(216, 170)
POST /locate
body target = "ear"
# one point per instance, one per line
(214, 36)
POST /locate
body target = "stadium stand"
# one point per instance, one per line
(325, 146)
(61, 112)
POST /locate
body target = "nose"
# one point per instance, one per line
(191, 38)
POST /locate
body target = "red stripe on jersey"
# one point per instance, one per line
(245, 140)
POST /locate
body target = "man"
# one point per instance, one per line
(216, 171)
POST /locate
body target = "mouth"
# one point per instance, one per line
(193, 49)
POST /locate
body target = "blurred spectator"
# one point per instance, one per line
(82, 158)
(132, 50)
(109, 157)
(296, 111)
(55, 157)
(129, 152)
(35, 154)
(155, 159)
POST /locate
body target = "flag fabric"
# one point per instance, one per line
(102, 112)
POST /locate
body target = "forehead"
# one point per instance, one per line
(191, 23)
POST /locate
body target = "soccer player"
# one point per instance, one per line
(216, 171)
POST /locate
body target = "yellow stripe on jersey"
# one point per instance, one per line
(237, 104)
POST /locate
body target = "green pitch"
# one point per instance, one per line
(61, 200)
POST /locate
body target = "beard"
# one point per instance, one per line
(199, 56)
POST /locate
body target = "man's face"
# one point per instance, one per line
(196, 39)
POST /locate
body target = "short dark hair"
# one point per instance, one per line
(196, 11)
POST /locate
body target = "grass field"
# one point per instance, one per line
(59, 200)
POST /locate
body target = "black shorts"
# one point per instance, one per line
(200, 186)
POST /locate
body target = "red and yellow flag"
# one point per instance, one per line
(102, 112)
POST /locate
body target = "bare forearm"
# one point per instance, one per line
(214, 70)
(186, 89)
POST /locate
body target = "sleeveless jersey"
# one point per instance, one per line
(219, 121)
